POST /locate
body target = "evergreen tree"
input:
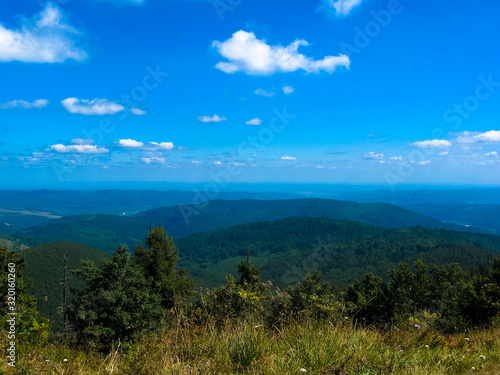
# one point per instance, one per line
(16, 299)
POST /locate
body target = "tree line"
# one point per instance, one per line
(132, 295)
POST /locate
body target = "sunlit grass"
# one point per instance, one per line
(250, 348)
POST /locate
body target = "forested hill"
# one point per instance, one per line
(44, 265)
(343, 250)
(189, 219)
(107, 232)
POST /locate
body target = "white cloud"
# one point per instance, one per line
(262, 92)
(397, 158)
(82, 141)
(491, 136)
(245, 53)
(92, 107)
(288, 158)
(444, 153)
(80, 149)
(236, 164)
(288, 90)
(196, 162)
(254, 121)
(48, 40)
(130, 143)
(162, 145)
(153, 159)
(214, 118)
(493, 153)
(424, 162)
(373, 155)
(137, 111)
(343, 7)
(472, 137)
(434, 143)
(13, 104)
(217, 162)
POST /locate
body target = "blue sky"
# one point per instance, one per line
(322, 91)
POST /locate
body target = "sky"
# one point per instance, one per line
(383, 92)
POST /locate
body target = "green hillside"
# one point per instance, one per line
(189, 219)
(107, 232)
(44, 266)
(342, 250)
(103, 232)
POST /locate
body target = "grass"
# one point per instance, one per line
(250, 348)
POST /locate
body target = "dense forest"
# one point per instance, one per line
(120, 303)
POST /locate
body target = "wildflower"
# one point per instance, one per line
(46, 360)
(473, 368)
(482, 357)
(416, 325)
(427, 346)
(303, 370)
(466, 339)
(65, 360)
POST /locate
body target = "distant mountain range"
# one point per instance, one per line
(107, 232)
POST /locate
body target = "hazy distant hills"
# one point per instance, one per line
(343, 250)
(188, 219)
(21, 209)
(482, 217)
(104, 232)
(107, 232)
(117, 202)
(403, 197)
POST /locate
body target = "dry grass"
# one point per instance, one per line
(249, 348)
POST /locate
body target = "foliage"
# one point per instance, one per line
(29, 324)
(128, 295)
(452, 299)
(341, 250)
(44, 265)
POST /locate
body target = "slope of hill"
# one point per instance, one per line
(402, 197)
(113, 201)
(483, 217)
(103, 232)
(44, 266)
(342, 250)
(107, 232)
(189, 219)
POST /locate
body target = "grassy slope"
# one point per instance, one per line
(249, 348)
(45, 268)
